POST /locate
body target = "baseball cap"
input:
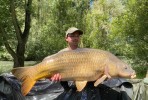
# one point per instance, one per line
(72, 30)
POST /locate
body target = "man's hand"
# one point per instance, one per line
(56, 77)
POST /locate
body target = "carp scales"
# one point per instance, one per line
(80, 65)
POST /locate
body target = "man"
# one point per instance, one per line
(110, 90)
(72, 38)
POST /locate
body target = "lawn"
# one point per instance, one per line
(6, 66)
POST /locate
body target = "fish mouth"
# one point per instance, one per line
(128, 75)
(133, 75)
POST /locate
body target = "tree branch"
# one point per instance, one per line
(15, 22)
(27, 20)
(4, 38)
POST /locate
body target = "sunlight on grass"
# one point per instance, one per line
(6, 66)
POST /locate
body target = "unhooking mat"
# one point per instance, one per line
(46, 90)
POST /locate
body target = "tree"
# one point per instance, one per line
(99, 23)
(11, 18)
(131, 30)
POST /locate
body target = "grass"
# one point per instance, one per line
(6, 66)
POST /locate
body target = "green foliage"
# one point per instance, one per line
(43, 46)
(6, 21)
(141, 71)
(48, 35)
(140, 32)
(130, 35)
(4, 56)
(131, 30)
(99, 23)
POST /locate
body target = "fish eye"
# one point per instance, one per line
(125, 67)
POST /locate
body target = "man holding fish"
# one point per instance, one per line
(86, 67)
(90, 92)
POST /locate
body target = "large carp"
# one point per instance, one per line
(80, 65)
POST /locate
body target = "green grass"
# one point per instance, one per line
(6, 66)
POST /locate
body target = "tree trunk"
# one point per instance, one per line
(22, 37)
(19, 58)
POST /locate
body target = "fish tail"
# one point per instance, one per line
(24, 74)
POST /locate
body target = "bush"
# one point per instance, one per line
(4, 56)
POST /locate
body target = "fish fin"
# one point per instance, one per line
(100, 80)
(106, 75)
(80, 85)
(27, 85)
(24, 74)
(106, 72)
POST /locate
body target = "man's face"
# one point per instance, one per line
(73, 38)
